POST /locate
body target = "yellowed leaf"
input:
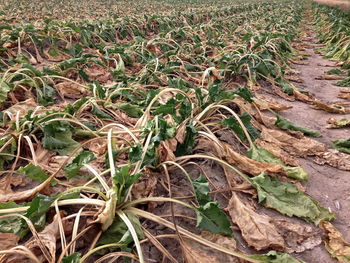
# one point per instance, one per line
(248, 165)
(335, 243)
(333, 108)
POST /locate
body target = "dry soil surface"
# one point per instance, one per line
(328, 185)
(342, 4)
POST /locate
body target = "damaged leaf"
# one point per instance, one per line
(257, 230)
(285, 124)
(342, 145)
(262, 155)
(287, 199)
(334, 242)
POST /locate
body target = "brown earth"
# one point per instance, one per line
(328, 185)
(343, 4)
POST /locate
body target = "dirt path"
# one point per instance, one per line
(326, 184)
(343, 4)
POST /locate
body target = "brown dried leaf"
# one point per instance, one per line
(333, 108)
(98, 73)
(335, 243)
(248, 165)
(257, 230)
(180, 133)
(298, 62)
(166, 150)
(344, 95)
(49, 236)
(307, 98)
(236, 182)
(145, 186)
(71, 90)
(193, 254)
(334, 158)
(276, 149)
(329, 77)
(8, 240)
(243, 105)
(345, 90)
(62, 56)
(98, 147)
(24, 195)
(333, 123)
(282, 94)
(56, 162)
(23, 107)
(221, 240)
(197, 253)
(298, 238)
(271, 103)
(8, 181)
(295, 79)
(240, 161)
(297, 147)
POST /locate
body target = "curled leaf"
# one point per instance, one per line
(257, 230)
(285, 124)
(335, 244)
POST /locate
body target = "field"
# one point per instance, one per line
(174, 131)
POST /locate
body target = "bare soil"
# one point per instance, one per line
(328, 185)
(342, 4)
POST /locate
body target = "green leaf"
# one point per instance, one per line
(9, 149)
(189, 142)
(276, 257)
(83, 75)
(38, 208)
(10, 224)
(73, 168)
(72, 258)
(35, 173)
(201, 189)
(118, 233)
(287, 199)
(245, 94)
(343, 83)
(130, 109)
(288, 125)
(58, 137)
(161, 128)
(115, 154)
(46, 96)
(209, 215)
(262, 155)
(233, 124)
(342, 145)
(211, 218)
(122, 180)
(4, 89)
(100, 114)
(135, 153)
